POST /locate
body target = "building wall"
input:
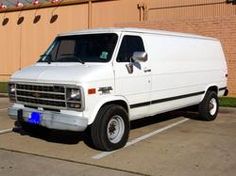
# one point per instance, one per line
(22, 41)
(222, 28)
(213, 18)
(175, 9)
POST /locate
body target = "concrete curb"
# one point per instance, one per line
(3, 95)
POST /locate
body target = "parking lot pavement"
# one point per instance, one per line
(175, 143)
(15, 164)
(4, 102)
(5, 123)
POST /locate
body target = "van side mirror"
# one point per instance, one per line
(140, 56)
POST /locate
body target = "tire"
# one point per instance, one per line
(208, 108)
(110, 130)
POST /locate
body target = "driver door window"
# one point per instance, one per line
(129, 45)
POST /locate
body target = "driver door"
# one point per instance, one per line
(134, 86)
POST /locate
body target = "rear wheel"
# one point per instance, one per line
(110, 130)
(209, 106)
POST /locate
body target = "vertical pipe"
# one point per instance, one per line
(145, 12)
(139, 6)
(20, 58)
(141, 11)
(140, 14)
(21, 33)
(90, 14)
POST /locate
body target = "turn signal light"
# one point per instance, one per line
(91, 91)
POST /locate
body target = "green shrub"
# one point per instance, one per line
(228, 101)
(3, 87)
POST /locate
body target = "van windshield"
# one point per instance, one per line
(81, 48)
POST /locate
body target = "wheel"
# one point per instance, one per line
(110, 130)
(209, 106)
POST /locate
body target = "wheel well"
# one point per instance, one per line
(213, 88)
(119, 102)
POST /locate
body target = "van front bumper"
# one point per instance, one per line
(50, 119)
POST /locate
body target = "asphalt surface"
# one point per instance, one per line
(176, 143)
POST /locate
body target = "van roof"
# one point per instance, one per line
(135, 30)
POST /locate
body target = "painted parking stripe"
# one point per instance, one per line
(141, 138)
(5, 131)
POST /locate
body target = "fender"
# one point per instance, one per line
(210, 86)
(103, 101)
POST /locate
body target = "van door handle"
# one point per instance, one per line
(147, 70)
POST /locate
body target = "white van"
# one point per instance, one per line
(102, 79)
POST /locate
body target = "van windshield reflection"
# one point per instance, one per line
(81, 48)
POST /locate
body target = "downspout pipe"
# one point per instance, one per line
(89, 14)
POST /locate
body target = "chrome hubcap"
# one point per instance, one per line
(115, 129)
(213, 106)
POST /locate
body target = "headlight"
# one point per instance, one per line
(12, 92)
(74, 98)
(73, 94)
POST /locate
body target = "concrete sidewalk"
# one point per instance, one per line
(16, 164)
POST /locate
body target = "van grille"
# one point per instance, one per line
(46, 96)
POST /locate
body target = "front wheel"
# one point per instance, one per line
(209, 106)
(110, 130)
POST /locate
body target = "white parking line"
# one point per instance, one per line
(6, 131)
(2, 109)
(132, 142)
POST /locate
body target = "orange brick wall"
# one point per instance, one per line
(21, 44)
(223, 28)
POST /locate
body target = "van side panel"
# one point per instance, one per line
(183, 68)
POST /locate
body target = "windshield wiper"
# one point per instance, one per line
(80, 60)
(48, 58)
(73, 56)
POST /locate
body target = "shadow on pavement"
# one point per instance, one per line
(71, 138)
(55, 136)
(165, 117)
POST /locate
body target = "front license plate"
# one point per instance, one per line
(34, 118)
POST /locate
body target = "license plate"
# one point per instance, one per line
(34, 118)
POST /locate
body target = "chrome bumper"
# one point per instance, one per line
(52, 120)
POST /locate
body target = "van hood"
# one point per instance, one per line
(69, 73)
